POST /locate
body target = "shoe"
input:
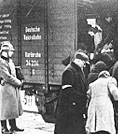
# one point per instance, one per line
(6, 131)
(16, 129)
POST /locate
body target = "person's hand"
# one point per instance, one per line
(87, 131)
(20, 84)
(22, 81)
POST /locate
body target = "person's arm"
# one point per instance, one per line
(106, 40)
(114, 71)
(88, 97)
(7, 77)
(112, 85)
(67, 82)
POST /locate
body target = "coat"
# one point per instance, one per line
(92, 77)
(100, 109)
(10, 98)
(72, 101)
(115, 71)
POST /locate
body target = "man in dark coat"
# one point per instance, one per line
(72, 102)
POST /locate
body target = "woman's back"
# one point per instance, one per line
(100, 110)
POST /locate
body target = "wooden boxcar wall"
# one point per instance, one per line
(61, 36)
(8, 24)
(60, 32)
(32, 40)
(28, 35)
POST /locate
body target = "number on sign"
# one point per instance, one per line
(32, 63)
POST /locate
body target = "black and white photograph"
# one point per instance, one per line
(58, 67)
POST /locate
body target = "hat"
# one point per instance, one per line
(6, 46)
(100, 66)
(104, 74)
(81, 56)
(66, 61)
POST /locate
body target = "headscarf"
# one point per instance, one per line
(104, 74)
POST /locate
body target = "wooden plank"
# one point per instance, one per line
(35, 79)
(38, 72)
(55, 80)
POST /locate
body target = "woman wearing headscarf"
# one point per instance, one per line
(100, 118)
(95, 70)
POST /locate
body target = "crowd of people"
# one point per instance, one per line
(88, 98)
(85, 103)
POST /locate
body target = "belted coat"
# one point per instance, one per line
(72, 101)
(100, 109)
(10, 104)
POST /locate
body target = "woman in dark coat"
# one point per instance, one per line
(72, 101)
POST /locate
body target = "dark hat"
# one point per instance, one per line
(81, 56)
(66, 61)
(100, 66)
(107, 58)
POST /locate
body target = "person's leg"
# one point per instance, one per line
(4, 127)
(12, 123)
(4, 124)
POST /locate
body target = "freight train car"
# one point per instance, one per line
(45, 32)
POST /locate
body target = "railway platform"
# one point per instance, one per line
(33, 123)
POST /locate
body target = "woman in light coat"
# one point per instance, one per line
(100, 110)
